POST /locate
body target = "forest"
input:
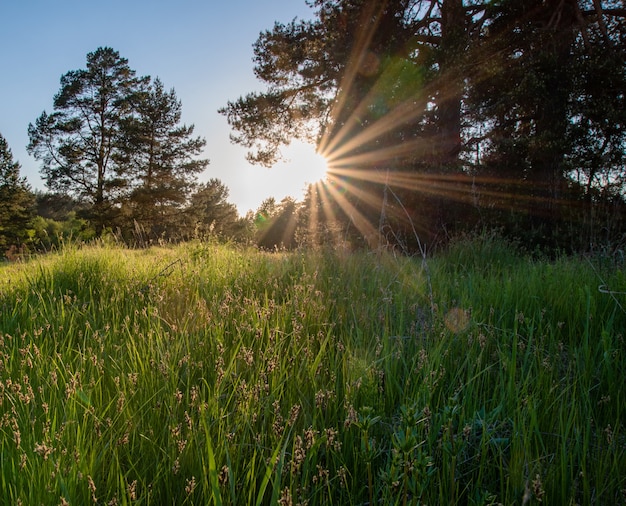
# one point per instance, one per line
(437, 117)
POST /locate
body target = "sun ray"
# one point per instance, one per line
(330, 218)
(365, 228)
(407, 111)
(370, 18)
(384, 140)
(363, 195)
(313, 229)
(385, 154)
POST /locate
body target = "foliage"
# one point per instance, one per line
(76, 143)
(211, 209)
(214, 216)
(48, 233)
(209, 375)
(553, 119)
(442, 116)
(114, 142)
(16, 202)
(159, 157)
(276, 224)
(58, 206)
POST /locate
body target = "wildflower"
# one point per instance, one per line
(277, 426)
(132, 378)
(285, 498)
(608, 432)
(422, 359)
(299, 454)
(309, 436)
(247, 355)
(222, 477)
(320, 399)
(341, 474)
(176, 431)
(121, 400)
(191, 485)
(352, 416)
(331, 439)
(293, 414)
(92, 488)
(538, 490)
(72, 385)
(194, 395)
(131, 488)
(43, 450)
(272, 365)
(322, 475)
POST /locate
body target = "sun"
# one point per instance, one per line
(309, 166)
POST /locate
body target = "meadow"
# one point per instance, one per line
(209, 374)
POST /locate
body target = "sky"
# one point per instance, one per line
(201, 48)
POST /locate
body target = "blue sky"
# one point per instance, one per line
(202, 49)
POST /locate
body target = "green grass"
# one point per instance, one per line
(202, 374)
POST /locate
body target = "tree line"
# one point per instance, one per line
(438, 117)
(117, 161)
(115, 158)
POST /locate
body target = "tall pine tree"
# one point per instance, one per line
(78, 141)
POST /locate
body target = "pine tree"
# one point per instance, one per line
(16, 201)
(159, 156)
(211, 212)
(78, 141)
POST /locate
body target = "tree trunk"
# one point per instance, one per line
(453, 41)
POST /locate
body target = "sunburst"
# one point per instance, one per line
(352, 163)
(373, 160)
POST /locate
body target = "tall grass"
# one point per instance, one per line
(202, 374)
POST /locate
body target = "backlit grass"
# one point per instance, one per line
(203, 374)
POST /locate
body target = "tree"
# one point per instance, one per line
(379, 87)
(77, 143)
(211, 212)
(428, 109)
(16, 201)
(550, 103)
(158, 155)
(57, 206)
(276, 223)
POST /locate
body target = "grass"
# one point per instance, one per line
(203, 374)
